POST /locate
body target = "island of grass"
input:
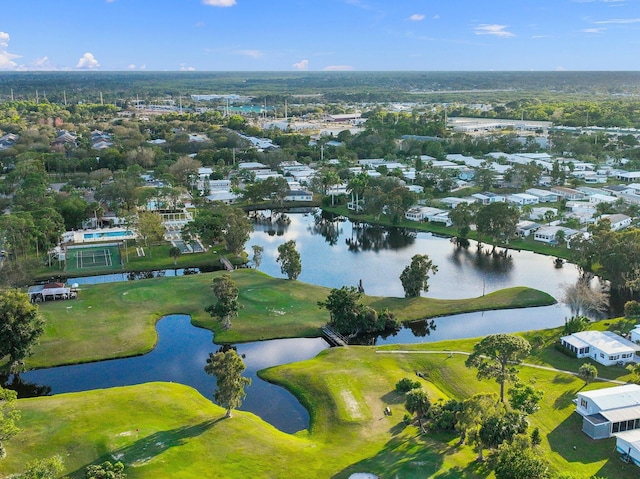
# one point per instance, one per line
(114, 320)
(170, 430)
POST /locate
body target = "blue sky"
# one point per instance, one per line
(316, 35)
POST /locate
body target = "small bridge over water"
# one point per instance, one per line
(226, 263)
(333, 337)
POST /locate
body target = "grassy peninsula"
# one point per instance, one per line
(118, 319)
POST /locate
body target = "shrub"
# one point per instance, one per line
(564, 350)
(631, 309)
(406, 385)
(444, 416)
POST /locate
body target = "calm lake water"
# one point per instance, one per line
(180, 356)
(333, 254)
(339, 253)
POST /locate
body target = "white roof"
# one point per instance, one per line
(525, 196)
(613, 398)
(606, 341)
(539, 192)
(632, 438)
(622, 414)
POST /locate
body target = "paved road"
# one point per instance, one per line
(464, 353)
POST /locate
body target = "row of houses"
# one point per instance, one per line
(294, 172)
(615, 411)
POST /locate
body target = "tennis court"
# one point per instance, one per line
(102, 257)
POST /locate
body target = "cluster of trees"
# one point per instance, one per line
(349, 317)
(218, 223)
(495, 222)
(486, 420)
(612, 255)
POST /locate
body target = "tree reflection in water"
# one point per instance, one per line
(327, 225)
(499, 262)
(366, 237)
(23, 388)
(420, 329)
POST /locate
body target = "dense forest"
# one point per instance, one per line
(334, 86)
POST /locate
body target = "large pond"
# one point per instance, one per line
(341, 253)
(333, 254)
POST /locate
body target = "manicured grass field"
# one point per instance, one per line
(169, 430)
(118, 319)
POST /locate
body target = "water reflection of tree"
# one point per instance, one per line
(328, 226)
(366, 237)
(370, 339)
(135, 275)
(23, 388)
(481, 260)
(419, 329)
(422, 328)
(272, 222)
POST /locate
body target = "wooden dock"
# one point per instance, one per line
(333, 337)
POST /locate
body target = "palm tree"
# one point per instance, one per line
(175, 252)
(357, 185)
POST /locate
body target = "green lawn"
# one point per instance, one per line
(169, 430)
(118, 319)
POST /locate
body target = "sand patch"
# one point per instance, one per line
(351, 404)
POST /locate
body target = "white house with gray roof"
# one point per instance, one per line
(604, 347)
(607, 412)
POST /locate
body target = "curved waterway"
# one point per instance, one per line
(334, 253)
(180, 356)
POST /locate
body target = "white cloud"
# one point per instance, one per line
(436, 17)
(132, 66)
(620, 21)
(493, 29)
(251, 53)
(593, 30)
(219, 3)
(88, 61)
(42, 63)
(6, 58)
(301, 65)
(416, 17)
(186, 68)
(338, 68)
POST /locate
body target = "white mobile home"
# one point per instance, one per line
(522, 199)
(609, 411)
(628, 444)
(604, 347)
(544, 196)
